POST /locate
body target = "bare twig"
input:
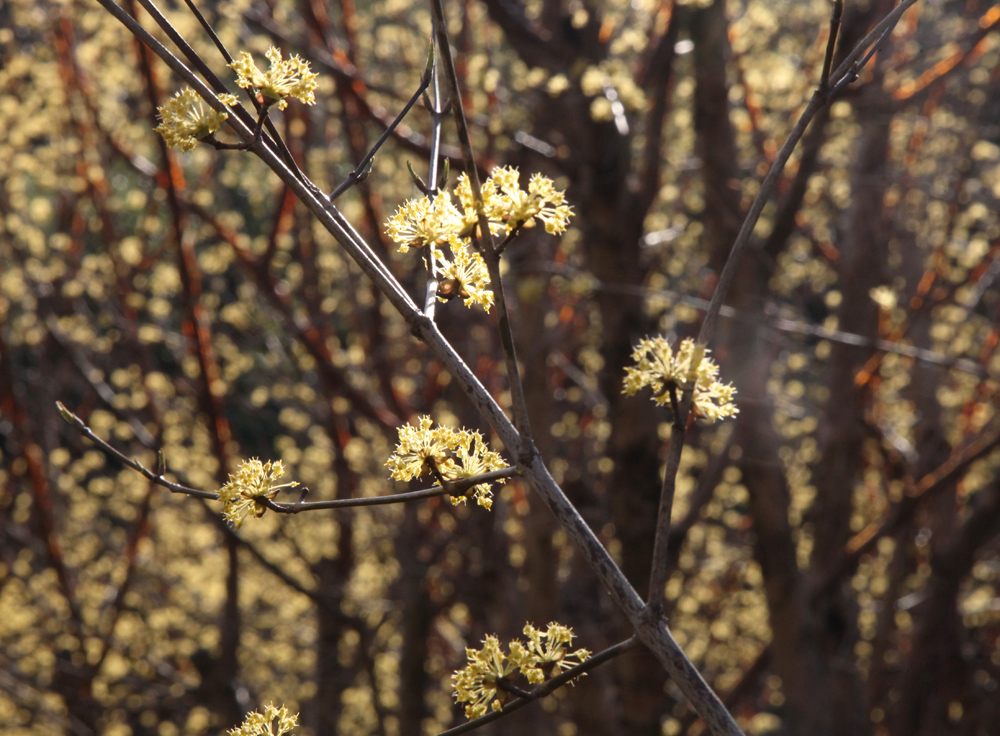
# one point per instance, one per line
(660, 567)
(437, 118)
(489, 251)
(454, 488)
(364, 168)
(769, 317)
(157, 478)
(846, 73)
(831, 43)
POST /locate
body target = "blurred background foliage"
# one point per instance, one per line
(836, 555)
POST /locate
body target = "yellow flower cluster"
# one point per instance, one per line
(507, 206)
(664, 370)
(439, 222)
(426, 221)
(187, 119)
(446, 453)
(246, 489)
(480, 684)
(263, 724)
(290, 78)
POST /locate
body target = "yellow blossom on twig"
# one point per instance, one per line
(438, 222)
(246, 489)
(425, 221)
(490, 669)
(667, 371)
(289, 78)
(445, 453)
(479, 682)
(187, 118)
(263, 724)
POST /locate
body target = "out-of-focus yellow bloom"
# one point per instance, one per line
(289, 78)
(263, 724)
(453, 453)
(246, 489)
(465, 276)
(187, 119)
(481, 680)
(662, 369)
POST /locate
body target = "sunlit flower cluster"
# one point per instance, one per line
(666, 371)
(426, 221)
(445, 453)
(507, 206)
(249, 486)
(288, 78)
(187, 119)
(272, 722)
(481, 682)
(450, 221)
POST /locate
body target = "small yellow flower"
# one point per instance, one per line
(252, 482)
(290, 78)
(425, 221)
(473, 458)
(453, 453)
(491, 204)
(263, 724)
(550, 653)
(548, 204)
(421, 449)
(664, 371)
(187, 119)
(465, 276)
(478, 683)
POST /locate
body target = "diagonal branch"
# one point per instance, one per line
(846, 73)
(489, 250)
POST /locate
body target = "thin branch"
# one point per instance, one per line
(846, 73)
(207, 27)
(362, 170)
(831, 43)
(157, 478)
(546, 688)
(489, 252)
(660, 567)
(454, 488)
(768, 317)
(437, 118)
(451, 488)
